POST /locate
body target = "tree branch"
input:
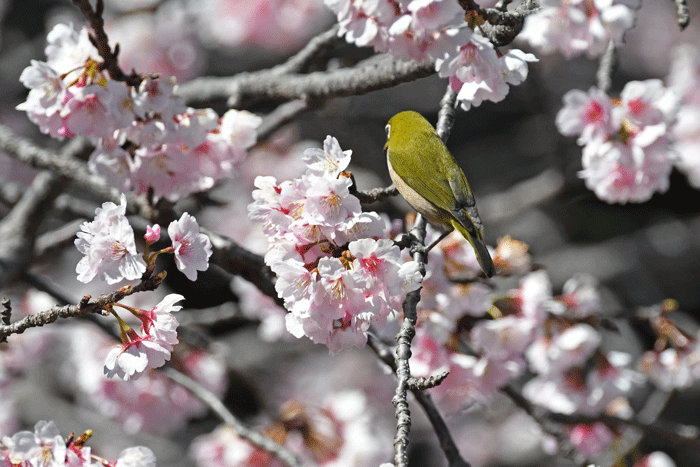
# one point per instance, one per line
(101, 43)
(253, 437)
(607, 62)
(447, 443)
(269, 84)
(85, 307)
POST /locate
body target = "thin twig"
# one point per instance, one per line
(375, 194)
(85, 307)
(607, 62)
(255, 438)
(282, 115)
(315, 48)
(66, 165)
(101, 43)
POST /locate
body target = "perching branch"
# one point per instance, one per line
(253, 437)
(403, 354)
(375, 194)
(447, 443)
(408, 327)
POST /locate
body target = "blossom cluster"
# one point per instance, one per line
(334, 273)
(434, 29)
(110, 248)
(146, 138)
(573, 27)
(628, 153)
(46, 446)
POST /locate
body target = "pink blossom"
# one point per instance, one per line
(68, 49)
(330, 159)
(587, 115)
(577, 26)
(655, 459)
(581, 295)
(159, 322)
(109, 246)
(139, 456)
(86, 112)
(619, 173)
(477, 73)
(131, 359)
(152, 234)
(44, 446)
(571, 347)
(192, 249)
(672, 368)
(591, 440)
(504, 338)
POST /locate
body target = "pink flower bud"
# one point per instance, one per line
(152, 234)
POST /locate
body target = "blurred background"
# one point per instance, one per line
(522, 171)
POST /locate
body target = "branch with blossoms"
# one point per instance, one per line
(334, 267)
(86, 306)
(101, 42)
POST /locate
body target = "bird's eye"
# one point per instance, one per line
(387, 128)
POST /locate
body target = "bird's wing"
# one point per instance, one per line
(409, 164)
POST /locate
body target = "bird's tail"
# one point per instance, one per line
(482, 252)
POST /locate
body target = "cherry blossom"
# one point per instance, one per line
(138, 456)
(684, 80)
(109, 246)
(131, 359)
(655, 459)
(591, 439)
(45, 445)
(424, 29)
(152, 234)
(627, 154)
(192, 249)
(573, 27)
(146, 139)
(587, 115)
(335, 276)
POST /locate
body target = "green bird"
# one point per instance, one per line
(427, 176)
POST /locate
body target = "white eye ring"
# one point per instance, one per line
(387, 128)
